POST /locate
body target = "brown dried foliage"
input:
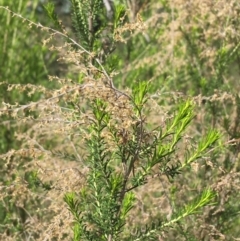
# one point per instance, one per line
(55, 132)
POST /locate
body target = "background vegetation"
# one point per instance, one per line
(136, 88)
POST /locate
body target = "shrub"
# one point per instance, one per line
(120, 160)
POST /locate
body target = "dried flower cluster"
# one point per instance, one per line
(52, 132)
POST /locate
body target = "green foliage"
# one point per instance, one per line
(132, 138)
(22, 62)
(89, 21)
(106, 201)
(119, 12)
(50, 10)
(205, 143)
